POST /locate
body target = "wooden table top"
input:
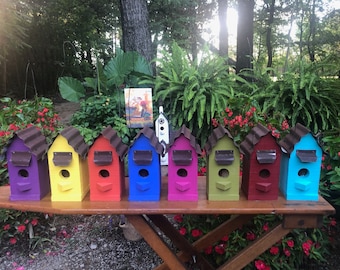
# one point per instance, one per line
(163, 206)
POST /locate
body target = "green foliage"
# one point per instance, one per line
(125, 68)
(16, 115)
(330, 171)
(24, 228)
(303, 96)
(291, 252)
(192, 92)
(98, 112)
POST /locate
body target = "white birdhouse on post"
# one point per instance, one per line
(162, 133)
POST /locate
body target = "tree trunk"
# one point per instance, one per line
(223, 34)
(269, 46)
(312, 31)
(245, 33)
(136, 34)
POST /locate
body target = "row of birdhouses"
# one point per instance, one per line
(72, 168)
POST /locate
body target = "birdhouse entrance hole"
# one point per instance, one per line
(143, 173)
(182, 173)
(303, 172)
(265, 173)
(23, 173)
(65, 173)
(223, 173)
(104, 173)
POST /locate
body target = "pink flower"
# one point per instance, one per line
(7, 227)
(21, 228)
(274, 250)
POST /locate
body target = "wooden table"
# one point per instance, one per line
(296, 214)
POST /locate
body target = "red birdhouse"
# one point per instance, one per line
(261, 165)
(106, 167)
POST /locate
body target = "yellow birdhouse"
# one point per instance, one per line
(67, 158)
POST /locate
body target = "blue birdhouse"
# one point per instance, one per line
(300, 165)
(144, 167)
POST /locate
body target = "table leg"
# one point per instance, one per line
(255, 249)
(155, 242)
(198, 246)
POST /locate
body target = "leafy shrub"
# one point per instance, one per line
(303, 96)
(192, 92)
(15, 226)
(295, 249)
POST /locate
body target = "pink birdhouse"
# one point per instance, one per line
(182, 166)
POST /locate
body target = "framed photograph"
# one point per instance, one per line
(138, 107)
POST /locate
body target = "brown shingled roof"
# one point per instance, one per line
(294, 136)
(34, 140)
(252, 138)
(218, 133)
(76, 140)
(187, 134)
(151, 135)
(111, 135)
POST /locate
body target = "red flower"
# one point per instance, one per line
(34, 222)
(250, 236)
(265, 227)
(286, 252)
(260, 265)
(196, 233)
(220, 249)
(45, 110)
(21, 228)
(208, 250)
(13, 127)
(306, 246)
(7, 227)
(178, 218)
(332, 222)
(12, 240)
(290, 243)
(225, 238)
(274, 250)
(182, 231)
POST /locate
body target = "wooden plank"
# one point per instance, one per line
(202, 206)
(255, 249)
(302, 221)
(212, 237)
(155, 242)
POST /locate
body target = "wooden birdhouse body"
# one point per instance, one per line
(106, 167)
(223, 166)
(144, 167)
(300, 165)
(68, 169)
(261, 165)
(183, 167)
(28, 168)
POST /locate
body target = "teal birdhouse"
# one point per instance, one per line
(300, 165)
